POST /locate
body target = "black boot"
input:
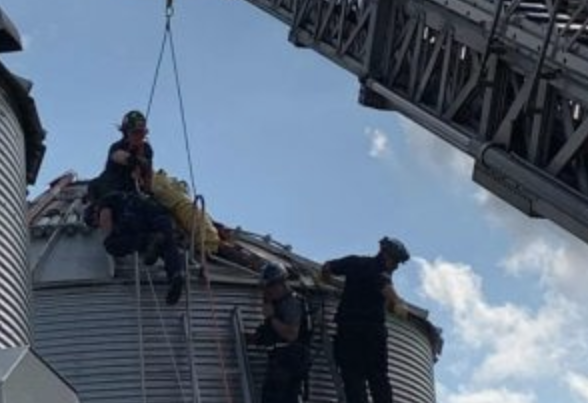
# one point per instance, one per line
(153, 248)
(174, 292)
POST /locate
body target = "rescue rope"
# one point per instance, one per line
(166, 335)
(157, 68)
(211, 300)
(140, 326)
(168, 37)
(188, 331)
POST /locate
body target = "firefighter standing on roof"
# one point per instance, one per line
(360, 347)
(286, 333)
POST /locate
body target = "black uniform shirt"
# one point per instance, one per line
(119, 177)
(362, 302)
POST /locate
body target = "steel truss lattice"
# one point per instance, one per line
(505, 82)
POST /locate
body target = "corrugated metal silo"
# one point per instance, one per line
(21, 151)
(109, 333)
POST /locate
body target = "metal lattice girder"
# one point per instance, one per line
(505, 82)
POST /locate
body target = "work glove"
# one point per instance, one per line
(400, 309)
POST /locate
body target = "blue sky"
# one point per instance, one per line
(280, 146)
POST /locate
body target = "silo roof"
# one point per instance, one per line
(60, 241)
(18, 94)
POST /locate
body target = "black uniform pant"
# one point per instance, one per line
(361, 353)
(286, 369)
(138, 220)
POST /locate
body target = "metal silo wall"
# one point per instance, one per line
(410, 363)
(89, 335)
(15, 301)
(410, 360)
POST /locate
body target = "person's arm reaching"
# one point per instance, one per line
(338, 267)
(394, 303)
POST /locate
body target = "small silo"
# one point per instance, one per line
(103, 323)
(21, 151)
(24, 376)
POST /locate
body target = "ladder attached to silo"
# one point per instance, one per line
(192, 269)
(194, 396)
(247, 382)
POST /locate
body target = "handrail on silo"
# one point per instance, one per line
(165, 332)
(188, 331)
(242, 358)
(211, 299)
(41, 202)
(166, 335)
(140, 326)
(56, 230)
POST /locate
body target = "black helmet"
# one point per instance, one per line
(394, 248)
(133, 120)
(272, 273)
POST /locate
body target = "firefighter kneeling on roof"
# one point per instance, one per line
(286, 334)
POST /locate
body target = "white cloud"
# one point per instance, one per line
(518, 344)
(434, 152)
(490, 396)
(26, 41)
(379, 144)
(578, 384)
(509, 342)
(541, 249)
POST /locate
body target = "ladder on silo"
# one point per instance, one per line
(195, 395)
(322, 343)
(191, 268)
(201, 267)
(247, 382)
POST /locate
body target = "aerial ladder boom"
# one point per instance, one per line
(505, 82)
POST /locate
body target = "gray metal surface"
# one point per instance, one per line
(23, 113)
(507, 74)
(21, 151)
(59, 260)
(9, 36)
(15, 301)
(115, 342)
(18, 367)
(89, 333)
